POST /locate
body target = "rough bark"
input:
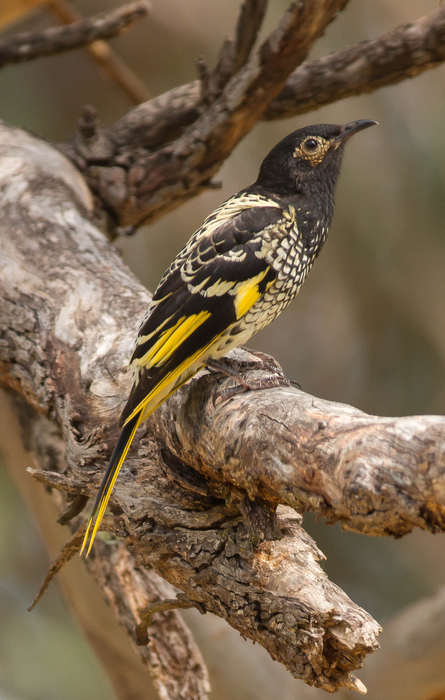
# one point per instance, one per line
(409, 664)
(378, 476)
(27, 46)
(69, 312)
(402, 53)
(137, 176)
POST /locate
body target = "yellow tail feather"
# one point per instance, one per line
(108, 483)
(126, 438)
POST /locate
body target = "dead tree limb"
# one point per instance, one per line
(139, 189)
(234, 52)
(173, 658)
(402, 53)
(30, 45)
(378, 476)
(69, 311)
(135, 183)
(409, 664)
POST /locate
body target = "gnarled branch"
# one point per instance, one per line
(378, 476)
(209, 510)
(70, 309)
(402, 53)
(142, 186)
(172, 658)
(135, 184)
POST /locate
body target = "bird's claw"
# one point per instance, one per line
(271, 382)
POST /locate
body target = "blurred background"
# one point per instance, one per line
(367, 328)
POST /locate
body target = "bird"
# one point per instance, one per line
(237, 272)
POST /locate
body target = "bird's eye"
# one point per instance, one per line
(311, 145)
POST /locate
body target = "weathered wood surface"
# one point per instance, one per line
(69, 311)
(36, 211)
(378, 476)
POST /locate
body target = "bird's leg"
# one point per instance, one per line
(269, 364)
(270, 382)
(228, 371)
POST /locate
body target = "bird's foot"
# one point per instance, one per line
(269, 364)
(270, 382)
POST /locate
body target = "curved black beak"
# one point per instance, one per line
(351, 129)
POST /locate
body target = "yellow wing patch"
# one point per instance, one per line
(171, 339)
(247, 293)
(168, 379)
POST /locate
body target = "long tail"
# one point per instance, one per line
(117, 459)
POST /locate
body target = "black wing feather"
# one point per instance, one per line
(229, 253)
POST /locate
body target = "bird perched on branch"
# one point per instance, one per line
(234, 276)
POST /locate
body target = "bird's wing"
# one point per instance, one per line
(214, 281)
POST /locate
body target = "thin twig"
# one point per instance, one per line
(249, 24)
(29, 45)
(67, 552)
(180, 602)
(80, 32)
(75, 507)
(150, 185)
(235, 53)
(104, 55)
(60, 482)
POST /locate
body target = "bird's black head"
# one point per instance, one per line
(308, 160)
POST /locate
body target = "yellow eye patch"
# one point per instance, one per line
(313, 149)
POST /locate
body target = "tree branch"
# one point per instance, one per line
(70, 311)
(405, 52)
(30, 45)
(208, 510)
(235, 53)
(141, 186)
(402, 53)
(135, 184)
(173, 660)
(410, 664)
(67, 552)
(378, 476)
